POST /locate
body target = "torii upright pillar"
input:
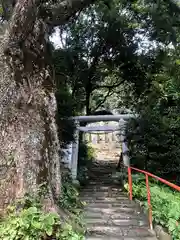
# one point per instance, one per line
(75, 151)
(125, 150)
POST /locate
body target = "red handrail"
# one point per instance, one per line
(172, 185)
(147, 175)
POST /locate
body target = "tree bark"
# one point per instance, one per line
(29, 142)
(88, 109)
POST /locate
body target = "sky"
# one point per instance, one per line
(56, 39)
(143, 42)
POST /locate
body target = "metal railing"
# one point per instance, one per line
(147, 175)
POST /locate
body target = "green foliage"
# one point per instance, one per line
(65, 104)
(163, 18)
(154, 137)
(66, 127)
(165, 203)
(70, 201)
(27, 221)
(85, 157)
(86, 154)
(69, 198)
(82, 175)
(119, 54)
(32, 223)
(97, 58)
(69, 233)
(116, 58)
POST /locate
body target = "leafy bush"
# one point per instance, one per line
(165, 203)
(154, 136)
(27, 221)
(33, 224)
(66, 126)
(82, 175)
(69, 198)
(30, 223)
(70, 201)
(85, 157)
(86, 154)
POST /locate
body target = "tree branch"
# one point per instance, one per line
(103, 101)
(63, 10)
(109, 86)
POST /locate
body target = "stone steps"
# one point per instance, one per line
(111, 205)
(113, 211)
(109, 214)
(97, 237)
(115, 222)
(117, 231)
(121, 215)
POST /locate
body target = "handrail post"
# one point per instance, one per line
(149, 202)
(130, 183)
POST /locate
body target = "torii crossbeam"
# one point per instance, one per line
(121, 118)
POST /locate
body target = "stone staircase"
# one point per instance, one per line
(109, 215)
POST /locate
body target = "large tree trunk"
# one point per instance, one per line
(28, 141)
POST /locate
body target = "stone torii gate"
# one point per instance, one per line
(121, 119)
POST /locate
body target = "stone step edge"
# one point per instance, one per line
(110, 222)
(99, 237)
(90, 228)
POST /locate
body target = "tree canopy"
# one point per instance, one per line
(126, 55)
